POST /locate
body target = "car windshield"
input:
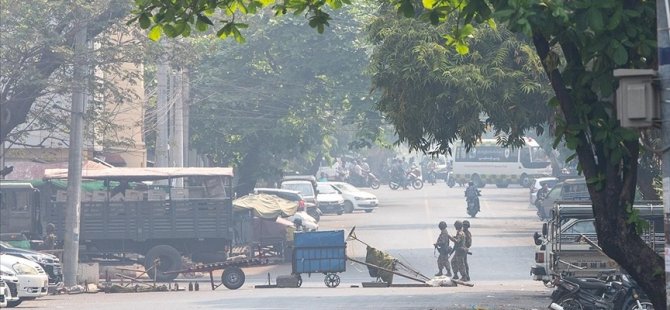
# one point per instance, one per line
(5, 245)
(346, 187)
(305, 189)
(326, 189)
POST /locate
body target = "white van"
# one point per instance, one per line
(33, 280)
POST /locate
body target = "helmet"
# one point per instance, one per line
(442, 225)
(471, 183)
(466, 224)
(458, 224)
(51, 228)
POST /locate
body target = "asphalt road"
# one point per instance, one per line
(405, 226)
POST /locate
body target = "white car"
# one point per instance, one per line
(537, 184)
(33, 280)
(8, 289)
(329, 199)
(354, 198)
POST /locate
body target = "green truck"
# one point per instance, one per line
(139, 215)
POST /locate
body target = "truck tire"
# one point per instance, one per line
(14, 303)
(168, 258)
(233, 278)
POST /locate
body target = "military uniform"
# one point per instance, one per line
(458, 261)
(468, 244)
(442, 244)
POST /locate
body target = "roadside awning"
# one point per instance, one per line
(142, 174)
(265, 206)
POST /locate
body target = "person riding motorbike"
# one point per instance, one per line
(398, 174)
(432, 168)
(472, 194)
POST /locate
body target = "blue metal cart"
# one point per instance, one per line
(320, 252)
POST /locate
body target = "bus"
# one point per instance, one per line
(489, 163)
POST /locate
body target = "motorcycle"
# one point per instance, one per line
(594, 294)
(372, 180)
(414, 178)
(472, 199)
(409, 179)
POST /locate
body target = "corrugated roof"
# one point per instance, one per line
(142, 174)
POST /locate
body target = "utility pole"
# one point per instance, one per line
(178, 138)
(162, 108)
(186, 95)
(663, 41)
(79, 78)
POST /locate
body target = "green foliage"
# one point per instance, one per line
(284, 96)
(173, 18)
(434, 97)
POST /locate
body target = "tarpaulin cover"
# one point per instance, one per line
(380, 259)
(319, 238)
(265, 206)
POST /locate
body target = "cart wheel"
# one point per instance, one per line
(332, 280)
(233, 278)
(299, 281)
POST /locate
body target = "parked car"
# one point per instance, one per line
(33, 280)
(291, 195)
(537, 184)
(568, 190)
(9, 288)
(306, 186)
(50, 263)
(354, 198)
(330, 200)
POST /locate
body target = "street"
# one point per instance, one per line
(405, 226)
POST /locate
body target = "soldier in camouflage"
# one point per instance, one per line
(442, 246)
(458, 261)
(468, 244)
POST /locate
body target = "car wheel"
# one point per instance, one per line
(369, 210)
(348, 207)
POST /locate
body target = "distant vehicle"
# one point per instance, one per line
(488, 163)
(50, 263)
(306, 186)
(354, 198)
(33, 281)
(140, 215)
(537, 184)
(330, 200)
(568, 190)
(9, 285)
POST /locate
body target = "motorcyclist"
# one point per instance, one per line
(471, 192)
(432, 166)
(398, 173)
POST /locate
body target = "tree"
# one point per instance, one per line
(578, 48)
(432, 95)
(36, 53)
(274, 103)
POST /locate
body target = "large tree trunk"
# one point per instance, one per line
(616, 236)
(248, 171)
